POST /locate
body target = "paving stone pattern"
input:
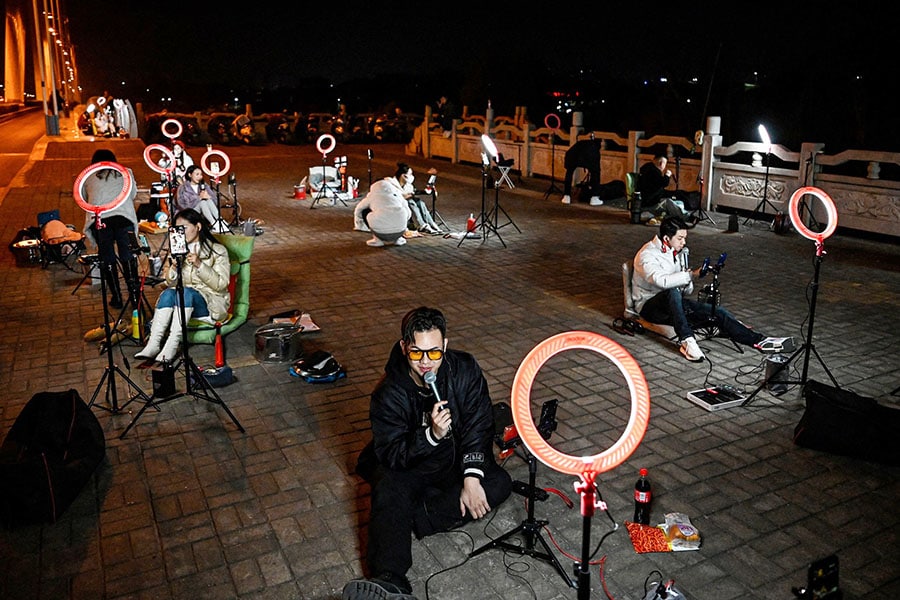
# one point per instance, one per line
(187, 506)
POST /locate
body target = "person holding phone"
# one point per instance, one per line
(660, 287)
(205, 274)
(195, 193)
(431, 462)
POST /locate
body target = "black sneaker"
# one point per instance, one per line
(386, 586)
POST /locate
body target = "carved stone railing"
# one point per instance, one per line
(727, 177)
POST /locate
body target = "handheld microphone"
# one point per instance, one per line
(431, 379)
(685, 263)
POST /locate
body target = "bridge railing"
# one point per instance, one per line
(864, 185)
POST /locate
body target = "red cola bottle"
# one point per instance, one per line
(642, 499)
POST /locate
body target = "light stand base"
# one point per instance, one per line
(531, 530)
(203, 391)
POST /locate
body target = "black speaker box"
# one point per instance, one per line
(842, 422)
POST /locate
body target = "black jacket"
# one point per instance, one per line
(400, 412)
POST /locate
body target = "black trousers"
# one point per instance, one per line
(408, 502)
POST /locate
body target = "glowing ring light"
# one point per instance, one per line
(220, 172)
(547, 121)
(322, 138)
(521, 403)
(78, 193)
(153, 165)
(830, 210)
(167, 133)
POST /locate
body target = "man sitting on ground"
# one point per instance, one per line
(430, 463)
(661, 283)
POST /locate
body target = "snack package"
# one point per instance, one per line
(681, 533)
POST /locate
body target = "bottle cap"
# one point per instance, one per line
(643, 472)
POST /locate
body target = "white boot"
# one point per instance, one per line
(159, 326)
(170, 350)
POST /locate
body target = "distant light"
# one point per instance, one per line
(688, 100)
(663, 80)
(764, 135)
(123, 83)
(646, 82)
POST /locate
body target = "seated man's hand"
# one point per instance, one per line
(473, 498)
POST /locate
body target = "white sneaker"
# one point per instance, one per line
(691, 350)
(400, 241)
(362, 228)
(567, 199)
(596, 201)
(220, 227)
(375, 242)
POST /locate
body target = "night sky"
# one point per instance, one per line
(811, 61)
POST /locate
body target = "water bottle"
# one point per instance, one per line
(470, 223)
(642, 499)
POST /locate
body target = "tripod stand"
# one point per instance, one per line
(552, 187)
(530, 528)
(112, 369)
(761, 206)
(233, 204)
(489, 220)
(710, 329)
(196, 384)
(702, 215)
(324, 188)
(219, 226)
(807, 346)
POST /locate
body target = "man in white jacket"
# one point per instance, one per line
(661, 283)
(385, 212)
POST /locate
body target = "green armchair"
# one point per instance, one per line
(240, 248)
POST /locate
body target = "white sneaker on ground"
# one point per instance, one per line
(567, 199)
(361, 228)
(376, 243)
(691, 350)
(400, 241)
(596, 201)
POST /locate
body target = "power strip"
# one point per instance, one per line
(659, 591)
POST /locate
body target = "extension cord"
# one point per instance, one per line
(654, 593)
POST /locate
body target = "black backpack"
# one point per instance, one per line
(49, 454)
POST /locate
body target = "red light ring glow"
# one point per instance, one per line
(154, 166)
(549, 118)
(78, 188)
(210, 153)
(524, 420)
(165, 128)
(325, 137)
(830, 210)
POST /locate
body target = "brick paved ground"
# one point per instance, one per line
(187, 506)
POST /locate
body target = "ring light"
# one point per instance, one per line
(78, 191)
(211, 153)
(551, 117)
(830, 210)
(521, 403)
(490, 146)
(325, 137)
(178, 128)
(153, 165)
